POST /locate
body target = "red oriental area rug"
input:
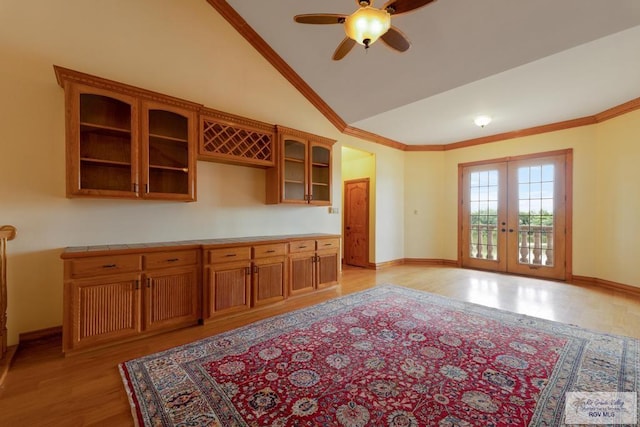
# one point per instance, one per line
(388, 356)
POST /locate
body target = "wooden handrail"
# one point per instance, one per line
(7, 232)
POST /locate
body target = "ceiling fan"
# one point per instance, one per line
(367, 24)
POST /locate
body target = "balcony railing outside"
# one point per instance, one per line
(535, 243)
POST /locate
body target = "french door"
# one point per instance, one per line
(514, 215)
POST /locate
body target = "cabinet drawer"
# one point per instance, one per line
(170, 259)
(100, 266)
(327, 244)
(239, 253)
(265, 251)
(302, 246)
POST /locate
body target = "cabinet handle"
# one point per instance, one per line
(255, 269)
(270, 251)
(109, 266)
(327, 244)
(148, 282)
(302, 247)
(135, 187)
(137, 284)
(230, 255)
(173, 259)
(247, 270)
(146, 188)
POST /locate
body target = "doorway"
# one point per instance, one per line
(356, 222)
(515, 214)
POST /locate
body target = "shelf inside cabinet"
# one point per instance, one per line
(167, 138)
(104, 162)
(168, 125)
(170, 168)
(105, 130)
(97, 175)
(106, 112)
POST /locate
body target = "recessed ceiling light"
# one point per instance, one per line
(482, 121)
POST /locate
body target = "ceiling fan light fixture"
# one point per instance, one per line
(367, 24)
(482, 121)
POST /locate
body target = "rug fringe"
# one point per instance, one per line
(124, 375)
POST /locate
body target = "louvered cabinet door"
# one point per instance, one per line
(228, 288)
(171, 298)
(103, 310)
(269, 280)
(327, 268)
(301, 272)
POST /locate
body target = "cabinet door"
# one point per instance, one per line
(102, 143)
(269, 280)
(171, 298)
(327, 268)
(295, 187)
(102, 310)
(168, 152)
(301, 272)
(228, 288)
(320, 171)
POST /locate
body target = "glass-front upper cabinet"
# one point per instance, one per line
(127, 142)
(303, 174)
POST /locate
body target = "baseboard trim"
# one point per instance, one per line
(5, 362)
(432, 262)
(606, 284)
(40, 334)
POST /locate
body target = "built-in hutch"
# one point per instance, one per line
(126, 142)
(122, 292)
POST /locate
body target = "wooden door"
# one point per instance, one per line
(104, 310)
(514, 215)
(356, 222)
(102, 143)
(537, 217)
(295, 187)
(171, 298)
(168, 152)
(484, 219)
(269, 280)
(320, 171)
(228, 287)
(301, 272)
(327, 267)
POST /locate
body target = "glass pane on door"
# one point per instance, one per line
(483, 215)
(536, 214)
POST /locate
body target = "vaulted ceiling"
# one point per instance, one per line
(524, 63)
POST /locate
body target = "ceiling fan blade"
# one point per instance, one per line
(395, 39)
(320, 18)
(343, 48)
(396, 7)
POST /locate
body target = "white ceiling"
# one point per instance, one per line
(524, 63)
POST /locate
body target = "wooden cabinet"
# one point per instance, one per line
(118, 293)
(228, 138)
(127, 142)
(313, 264)
(109, 299)
(240, 277)
(303, 173)
(227, 281)
(172, 291)
(269, 273)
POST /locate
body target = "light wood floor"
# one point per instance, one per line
(45, 388)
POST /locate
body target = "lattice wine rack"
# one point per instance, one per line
(234, 139)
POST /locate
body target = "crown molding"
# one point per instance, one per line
(242, 27)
